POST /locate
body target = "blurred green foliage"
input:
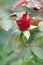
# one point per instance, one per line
(8, 52)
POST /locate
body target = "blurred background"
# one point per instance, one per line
(5, 11)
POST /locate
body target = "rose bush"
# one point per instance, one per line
(21, 39)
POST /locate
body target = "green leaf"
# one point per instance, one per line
(41, 38)
(38, 63)
(22, 37)
(6, 24)
(38, 52)
(39, 34)
(26, 53)
(18, 62)
(37, 17)
(9, 59)
(40, 26)
(26, 62)
(8, 48)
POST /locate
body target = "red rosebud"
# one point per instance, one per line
(24, 22)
